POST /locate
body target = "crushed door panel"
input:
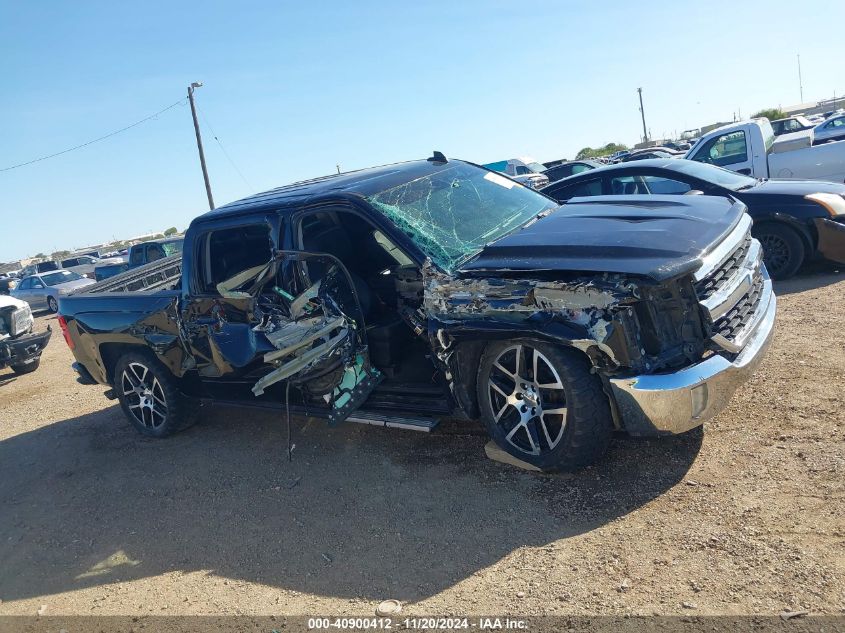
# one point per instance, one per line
(316, 339)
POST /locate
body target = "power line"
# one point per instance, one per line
(225, 153)
(96, 140)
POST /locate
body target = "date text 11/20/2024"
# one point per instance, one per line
(423, 623)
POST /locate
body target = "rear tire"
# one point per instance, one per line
(783, 249)
(548, 410)
(27, 367)
(150, 397)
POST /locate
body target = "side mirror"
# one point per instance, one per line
(694, 192)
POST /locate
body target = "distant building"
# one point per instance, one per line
(815, 107)
(645, 144)
(16, 265)
(709, 128)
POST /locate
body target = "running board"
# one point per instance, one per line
(393, 422)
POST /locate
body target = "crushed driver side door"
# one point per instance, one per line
(245, 326)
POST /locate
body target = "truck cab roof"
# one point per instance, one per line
(361, 182)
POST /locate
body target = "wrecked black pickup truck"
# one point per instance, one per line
(401, 294)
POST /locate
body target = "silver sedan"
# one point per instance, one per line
(42, 291)
(832, 129)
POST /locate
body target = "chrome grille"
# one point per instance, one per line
(734, 289)
(740, 317)
(720, 276)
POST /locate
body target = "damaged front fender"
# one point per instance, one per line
(831, 239)
(620, 322)
(582, 312)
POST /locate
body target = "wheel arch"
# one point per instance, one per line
(110, 353)
(465, 361)
(514, 412)
(806, 232)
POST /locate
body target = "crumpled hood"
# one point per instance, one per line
(654, 236)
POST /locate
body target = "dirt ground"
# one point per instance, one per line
(744, 518)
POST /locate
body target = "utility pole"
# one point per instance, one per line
(199, 143)
(642, 112)
(800, 83)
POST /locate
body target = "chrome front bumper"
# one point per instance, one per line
(665, 404)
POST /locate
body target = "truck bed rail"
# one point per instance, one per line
(159, 275)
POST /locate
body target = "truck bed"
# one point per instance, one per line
(163, 274)
(813, 162)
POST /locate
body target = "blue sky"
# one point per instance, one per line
(294, 88)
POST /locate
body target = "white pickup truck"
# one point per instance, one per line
(751, 148)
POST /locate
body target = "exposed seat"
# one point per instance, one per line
(332, 239)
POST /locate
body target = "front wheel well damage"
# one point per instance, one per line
(465, 359)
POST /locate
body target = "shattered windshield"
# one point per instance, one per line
(453, 213)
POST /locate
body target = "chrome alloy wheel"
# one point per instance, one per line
(528, 399)
(144, 395)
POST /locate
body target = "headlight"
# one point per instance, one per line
(834, 204)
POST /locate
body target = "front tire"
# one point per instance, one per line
(541, 404)
(783, 249)
(27, 367)
(52, 305)
(150, 397)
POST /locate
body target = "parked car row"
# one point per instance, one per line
(830, 127)
(42, 291)
(139, 255)
(650, 152)
(563, 169)
(570, 168)
(525, 171)
(86, 264)
(99, 265)
(81, 264)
